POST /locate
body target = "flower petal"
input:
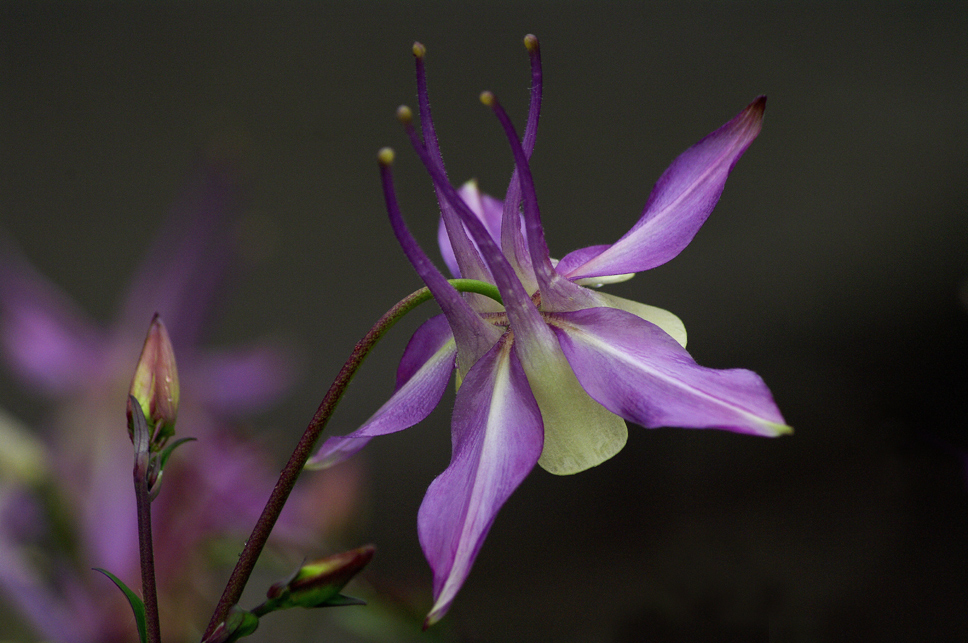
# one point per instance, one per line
(488, 209)
(580, 433)
(242, 380)
(557, 292)
(466, 259)
(496, 441)
(567, 410)
(680, 201)
(473, 335)
(638, 371)
(662, 318)
(188, 261)
(575, 259)
(49, 341)
(422, 377)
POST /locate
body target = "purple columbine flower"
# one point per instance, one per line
(551, 375)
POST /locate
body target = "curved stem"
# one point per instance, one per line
(287, 479)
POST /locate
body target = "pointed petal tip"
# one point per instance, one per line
(755, 110)
(680, 202)
(433, 617)
(775, 430)
(438, 611)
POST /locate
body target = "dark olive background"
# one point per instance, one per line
(836, 266)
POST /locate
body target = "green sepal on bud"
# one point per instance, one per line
(240, 623)
(155, 384)
(318, 584)
(157, 466)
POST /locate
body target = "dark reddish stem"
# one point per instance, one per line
(140, 438)
(148, 588)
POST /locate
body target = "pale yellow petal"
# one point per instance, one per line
(579, 433)
(595, 282)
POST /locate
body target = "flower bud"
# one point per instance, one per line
(239, 624)
(155, 382)
(318, 584)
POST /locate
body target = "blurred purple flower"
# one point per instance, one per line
(551, 376)
(83, 505)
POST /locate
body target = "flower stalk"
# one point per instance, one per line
(138, 426)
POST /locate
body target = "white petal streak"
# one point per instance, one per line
(497, 439)
(639, 372)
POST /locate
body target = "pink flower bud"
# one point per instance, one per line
(155, 382)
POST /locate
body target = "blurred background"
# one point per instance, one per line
(835, 266)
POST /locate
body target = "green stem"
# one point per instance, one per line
(287, 479)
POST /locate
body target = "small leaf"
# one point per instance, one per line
(157, 468)
(340, 600)
(137, 605)
(171, 447)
